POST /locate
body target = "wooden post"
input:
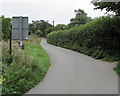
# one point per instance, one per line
(10, 42)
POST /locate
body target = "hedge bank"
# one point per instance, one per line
(99, 38)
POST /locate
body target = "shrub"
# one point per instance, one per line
(117, 68)
(99, 38)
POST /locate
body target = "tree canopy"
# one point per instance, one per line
(6, 27)
(60, 27)
(80, 18)
(40, 25)
(109, 6)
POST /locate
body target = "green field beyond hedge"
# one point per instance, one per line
(22, 74)
(99, 38)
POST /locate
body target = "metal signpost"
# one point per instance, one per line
(20, 29)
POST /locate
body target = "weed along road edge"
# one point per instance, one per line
(75, 73)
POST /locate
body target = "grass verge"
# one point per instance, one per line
(20, 74)
(117, 68)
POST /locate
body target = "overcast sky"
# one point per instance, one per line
(61, 11)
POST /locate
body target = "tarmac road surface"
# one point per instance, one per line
(75, 73)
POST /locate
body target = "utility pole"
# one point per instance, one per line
(53, 23)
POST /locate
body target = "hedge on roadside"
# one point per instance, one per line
(99, 38)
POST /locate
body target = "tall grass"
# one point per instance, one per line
(23, 73)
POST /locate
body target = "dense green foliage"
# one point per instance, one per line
(109, 6)
(22, 74)
(117, 68)
(99, 38)
(60, 27)
(39, 33)
(41, 25)
(80, 18)
(41, 28)
(6, 27)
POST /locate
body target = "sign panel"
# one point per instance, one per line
(20, 28)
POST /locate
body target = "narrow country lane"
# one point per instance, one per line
(75, 73)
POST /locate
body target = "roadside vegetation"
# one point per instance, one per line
(98, 38)
(20, 74)
(117, 68)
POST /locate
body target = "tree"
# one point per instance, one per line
(80, 18)
(31, 29)
(49, 29)
(109, 6)
(6, 27)
(39, 33)
(60, 27)
(39, 25)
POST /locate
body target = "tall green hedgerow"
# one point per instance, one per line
(99, 38)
